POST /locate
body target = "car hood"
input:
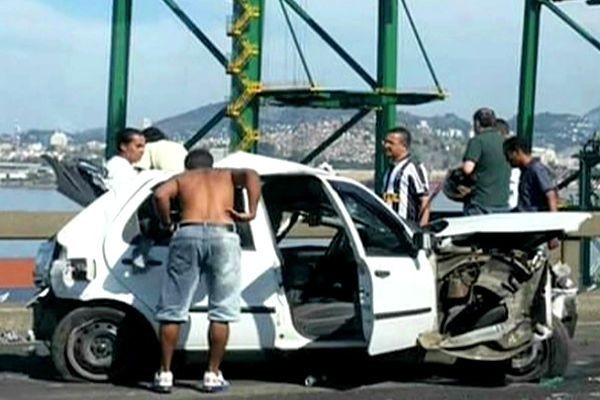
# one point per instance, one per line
(568, 222)
(266, 165)
(511, 230)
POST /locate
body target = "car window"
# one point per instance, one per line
(380, 233)
(144, 224)
(300, 211)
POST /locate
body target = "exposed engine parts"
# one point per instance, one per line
(490, 299)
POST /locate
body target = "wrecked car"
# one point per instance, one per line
(325, 265)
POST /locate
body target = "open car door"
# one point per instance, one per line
(397, 281)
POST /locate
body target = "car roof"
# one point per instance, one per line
(264, 165)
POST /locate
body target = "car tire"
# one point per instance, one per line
(137, 351)
(102, 343)
(546, 359)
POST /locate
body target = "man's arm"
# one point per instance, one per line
(552, 200)
(546, 184)
(425, 210)
(421, 186)
(249, 180)
(162, 201)
(471, 157)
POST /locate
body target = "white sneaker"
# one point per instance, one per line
(163, 382)
(213, 383)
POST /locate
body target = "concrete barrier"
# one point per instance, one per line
(15, 318)
(23, 225)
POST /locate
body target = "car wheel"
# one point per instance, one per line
(546, 359)
(83, 343)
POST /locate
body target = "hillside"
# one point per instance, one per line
(293, 132)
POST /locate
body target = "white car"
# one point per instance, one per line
(325, 265)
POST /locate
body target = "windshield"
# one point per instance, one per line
(380, 233)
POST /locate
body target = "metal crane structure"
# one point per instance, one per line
(589, 156)
(248, 92)
(529, 58)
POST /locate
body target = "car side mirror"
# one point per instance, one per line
(422, 241)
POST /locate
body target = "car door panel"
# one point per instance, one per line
(122, 252)
(397, 286)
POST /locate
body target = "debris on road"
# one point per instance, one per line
(11, 337)
(552, 383)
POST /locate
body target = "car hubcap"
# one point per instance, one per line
(529, 359)
(90, 348)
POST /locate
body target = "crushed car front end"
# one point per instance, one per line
(500, 298)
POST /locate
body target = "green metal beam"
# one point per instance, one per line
(211, 123)
(246, 123)
(572, 23)
(334, 99)
(335, 136)
(413, 26)
(529, 62)
(205, 40)
(332, 43)
(288, 21)
(585, 199)
(118, 75)
(387, 77)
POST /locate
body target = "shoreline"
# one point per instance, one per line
(28, 185)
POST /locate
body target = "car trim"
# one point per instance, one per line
(245, 310)
(406, 313)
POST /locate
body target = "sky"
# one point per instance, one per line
(54, 57)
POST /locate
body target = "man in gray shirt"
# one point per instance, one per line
(537, 191)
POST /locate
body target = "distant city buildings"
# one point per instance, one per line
(59, 141)
(438, 142)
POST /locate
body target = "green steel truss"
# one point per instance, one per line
(526, 112)
(119, 70)
(529, 59)
(247, 90)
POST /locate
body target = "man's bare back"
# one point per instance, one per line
(207, 195)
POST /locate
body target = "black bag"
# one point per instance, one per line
(458, 186)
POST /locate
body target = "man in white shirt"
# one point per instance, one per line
(120, 169)
(161, 153)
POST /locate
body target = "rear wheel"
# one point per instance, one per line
(546, 359)
(100, 344)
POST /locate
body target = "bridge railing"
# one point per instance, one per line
(18, 225)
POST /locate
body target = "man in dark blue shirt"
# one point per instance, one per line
(537, 191)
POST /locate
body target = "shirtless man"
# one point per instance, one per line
(205, 243)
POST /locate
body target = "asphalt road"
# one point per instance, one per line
(24, 376)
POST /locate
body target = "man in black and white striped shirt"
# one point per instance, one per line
(405, 185)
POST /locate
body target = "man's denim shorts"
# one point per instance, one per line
(202, 249)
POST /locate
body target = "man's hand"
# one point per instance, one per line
(241, 216)
(553, 243)
(468, 167)
(170, 227)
